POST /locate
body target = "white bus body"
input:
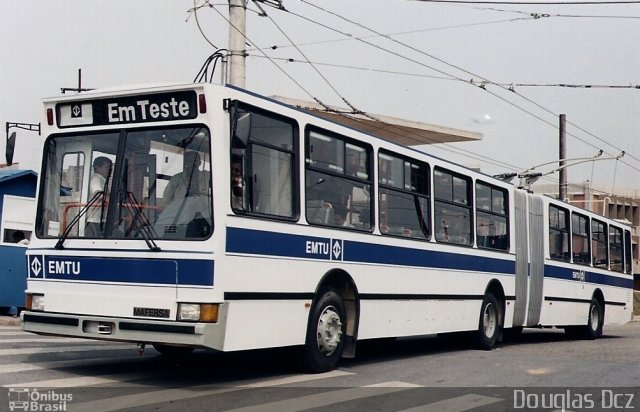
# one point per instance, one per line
(329, 236)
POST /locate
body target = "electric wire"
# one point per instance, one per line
(312, 65)
(482, 86)
(251, 43)
(355, 111)
(194, 10)
(546, 3)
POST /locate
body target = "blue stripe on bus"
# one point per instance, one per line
(578, 274)
(402, 256)
(184, 272)
(256, 242)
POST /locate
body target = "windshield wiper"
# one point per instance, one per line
(76, 219)
(141, 222)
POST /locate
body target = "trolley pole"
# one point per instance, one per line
(237, 42)
(562, 188)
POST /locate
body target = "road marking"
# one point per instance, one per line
(77, 381)
(33, 351)
(172, 395)
(15, 333)
(327, 398)
(98, 361)
(459, 403)
(35, 339)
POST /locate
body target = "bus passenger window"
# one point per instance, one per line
(580, 239)
(599, 244)
(266, 156)
(616, 249)
(452, 208)
(628, 252)
(492, 226)
(337, 181)
(559, 233)
(404, 196)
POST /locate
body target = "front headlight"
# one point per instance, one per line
(198, 312)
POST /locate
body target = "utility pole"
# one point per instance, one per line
(562, 188)
(237, 42)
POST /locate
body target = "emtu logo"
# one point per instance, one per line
(36, 266)
(76, 111)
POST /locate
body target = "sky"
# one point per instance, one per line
(416, 60)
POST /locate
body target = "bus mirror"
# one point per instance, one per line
(241, 129)
(11, 145)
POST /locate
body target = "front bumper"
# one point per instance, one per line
(204, 335)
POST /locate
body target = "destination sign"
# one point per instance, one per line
(147, 108)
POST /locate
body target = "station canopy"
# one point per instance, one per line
(401, 131)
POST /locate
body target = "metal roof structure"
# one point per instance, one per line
(401, 131)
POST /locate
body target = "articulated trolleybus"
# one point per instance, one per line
(202, 216)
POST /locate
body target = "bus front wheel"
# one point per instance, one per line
(325, 333)
(489, 323)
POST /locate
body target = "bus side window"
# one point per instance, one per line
(492, 211)
(452, 207)
(559, 233)
(268, 157)
(616, 249)
(581, 247)
(337, 174)
(404, 196)
(599, 244)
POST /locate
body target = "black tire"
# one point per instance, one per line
(326, 332)
(489, 324)
(595, 321)
(172, 351)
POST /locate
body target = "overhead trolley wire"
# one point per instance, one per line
(482, 86)
(539, 3)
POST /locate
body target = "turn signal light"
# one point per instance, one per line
(198, 312)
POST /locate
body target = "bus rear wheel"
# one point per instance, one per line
(325, 333)
(489, 323)
(595, 322)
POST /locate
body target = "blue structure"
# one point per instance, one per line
(17, 183)
(13, 274)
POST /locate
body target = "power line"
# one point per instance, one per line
(482, 86)
(549, 3)
(511, 85)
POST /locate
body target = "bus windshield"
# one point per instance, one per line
(145, 183)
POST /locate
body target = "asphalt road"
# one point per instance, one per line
(425, 374)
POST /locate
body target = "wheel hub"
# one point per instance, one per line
(329, 331)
